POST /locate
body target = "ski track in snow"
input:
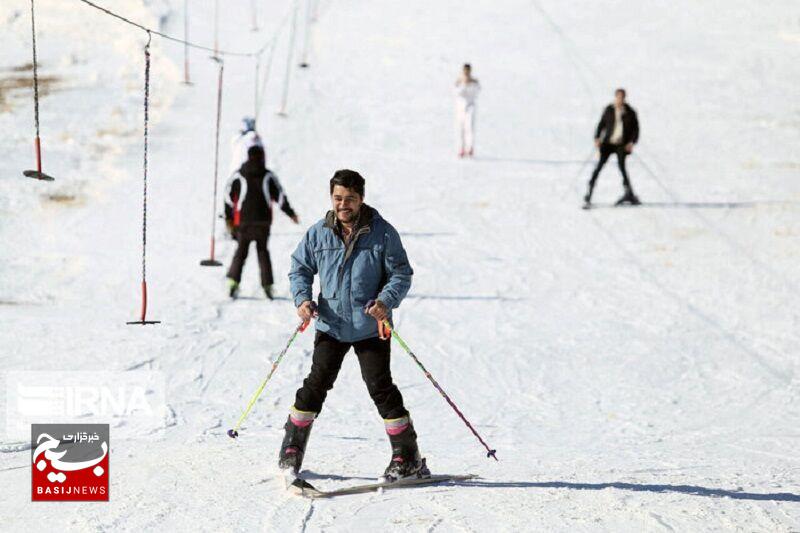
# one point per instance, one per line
(636, 369)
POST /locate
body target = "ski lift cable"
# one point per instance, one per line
(175, 39)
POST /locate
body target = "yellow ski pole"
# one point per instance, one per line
(233, 433)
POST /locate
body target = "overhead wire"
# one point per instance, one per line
(168, 37)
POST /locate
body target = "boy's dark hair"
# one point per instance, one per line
(255, 154)
(621, 90)
(349, 179)
(467, 65)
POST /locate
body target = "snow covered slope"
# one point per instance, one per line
(636, 369)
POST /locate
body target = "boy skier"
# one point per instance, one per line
(248, 210)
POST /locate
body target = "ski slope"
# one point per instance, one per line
(635, 368)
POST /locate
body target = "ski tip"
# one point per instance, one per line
(301, 487)
(232, 433)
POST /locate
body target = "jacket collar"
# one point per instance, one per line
(365, 218)
(625, 108)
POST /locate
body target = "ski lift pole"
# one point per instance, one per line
(186, 80)
(216, 28)
(211, 261)
(287, 76)
(306, 34)
(253, 16)
(272, 44)
(256, 85)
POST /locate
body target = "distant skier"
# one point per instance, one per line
(616, 133)
(249, 210)
(360, 260)
(467, 89)
(240, 144)
(243, 141)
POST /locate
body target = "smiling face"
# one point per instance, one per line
(346, 204)
(619, 98)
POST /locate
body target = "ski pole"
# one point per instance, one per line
(401, 342)
(233, 433)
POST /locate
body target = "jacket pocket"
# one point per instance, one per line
(328, 309)
(329, 261)
(367, 274)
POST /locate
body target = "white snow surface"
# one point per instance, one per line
(636, 369)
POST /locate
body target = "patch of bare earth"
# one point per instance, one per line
(17, 82)
(63, 199)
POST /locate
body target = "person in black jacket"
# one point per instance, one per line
(248, 207)
(617, 132)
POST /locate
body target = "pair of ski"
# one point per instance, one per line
(301, 487)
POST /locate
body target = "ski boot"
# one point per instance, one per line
(268, 292)
(293, 447)
(587, 198)
(406, 460)
(233, 288)
(629, 198)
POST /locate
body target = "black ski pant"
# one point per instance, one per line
(605, 152)
(247, 233)
(373, 357)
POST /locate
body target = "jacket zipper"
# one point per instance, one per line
(349, 251)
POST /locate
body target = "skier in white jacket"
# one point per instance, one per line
(466, 91)
(241, 143)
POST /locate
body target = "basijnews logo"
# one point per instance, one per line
(69, 462)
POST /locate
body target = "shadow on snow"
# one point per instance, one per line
(636, 487)
(462, 297)
(693, 205)
(530, 161)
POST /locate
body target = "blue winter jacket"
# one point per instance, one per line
(373, 266)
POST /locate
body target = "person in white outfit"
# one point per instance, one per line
(467, 89)
(242, 142)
